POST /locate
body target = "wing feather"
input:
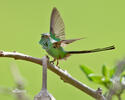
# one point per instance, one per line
(65, 42)
(70, 41)
(57, 28)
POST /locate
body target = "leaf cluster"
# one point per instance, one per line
(106, 76)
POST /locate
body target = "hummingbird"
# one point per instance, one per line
(54, 41)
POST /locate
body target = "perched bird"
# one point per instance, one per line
(54, 41)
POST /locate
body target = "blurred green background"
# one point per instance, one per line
(102, 22)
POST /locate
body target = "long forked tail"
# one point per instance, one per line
(92, 51)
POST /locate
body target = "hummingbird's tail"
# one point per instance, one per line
(92, 51)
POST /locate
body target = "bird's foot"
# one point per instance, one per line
(52, 62)
(47, 56)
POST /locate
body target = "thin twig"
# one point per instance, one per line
(119, 97)
(19, 91)
(64, 75)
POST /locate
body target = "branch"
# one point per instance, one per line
(64, 75)
(19, 91)
(116, 83)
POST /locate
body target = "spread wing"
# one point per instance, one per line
(65, 42)
(70, 41)
(57, 28)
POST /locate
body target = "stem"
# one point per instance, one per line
(119, 97)
(116, 83)
(44, 77)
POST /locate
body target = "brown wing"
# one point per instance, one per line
(57, 28)
(64, 42)
(70, 41)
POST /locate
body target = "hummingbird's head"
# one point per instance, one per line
(45, 36)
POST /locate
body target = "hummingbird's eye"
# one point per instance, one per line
(46, 36)
(42, 36)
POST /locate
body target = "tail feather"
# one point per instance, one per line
(92, 51)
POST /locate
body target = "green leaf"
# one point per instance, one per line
(104, 71)
(96, 78)
(123, 73)
(86, 70)
(123, 80)
(112, 72)
(107, 73)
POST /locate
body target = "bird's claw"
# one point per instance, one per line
(52, 62)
